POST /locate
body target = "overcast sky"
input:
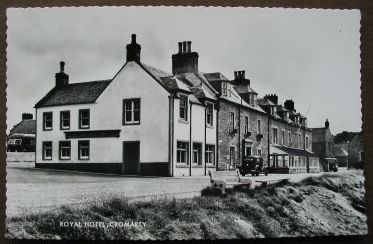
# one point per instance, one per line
(310, 56)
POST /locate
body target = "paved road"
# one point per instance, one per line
(33, 190)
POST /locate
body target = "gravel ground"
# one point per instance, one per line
(33, 190)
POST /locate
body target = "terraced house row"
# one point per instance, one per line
(145, 121)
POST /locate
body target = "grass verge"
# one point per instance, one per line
(332, 204)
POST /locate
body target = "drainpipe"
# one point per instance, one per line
(239, 132)
(205, 133)
(171, 134)
(190, 141)
(268, 139)
(217, 134)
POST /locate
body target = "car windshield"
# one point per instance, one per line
(15, 141)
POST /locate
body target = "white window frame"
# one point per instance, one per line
(283, 137)
(209, 114)
(197, 153)
(210, 151)
(182, 152)
(45, 157)
(274, 135)
(224, 88)
(246, 129)
(232, 156)
(81, 118)
(61, 150)
(259, 152)
(185, 107)
(45, 120)
(132, 110)
(81, 148)
(259, 126)
(231, 121)
(63, 119)
(307, 142)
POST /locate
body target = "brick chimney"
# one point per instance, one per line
(26, 116)
(133, 50)
(62, 78)
(240, 79)
(326, 123)
(289, 105)
(185, 61)
(272, 97)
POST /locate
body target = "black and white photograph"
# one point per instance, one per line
(169, 123)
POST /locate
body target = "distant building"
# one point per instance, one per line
(21, 137)
(323, 145)
(341, 154)
(352, 143)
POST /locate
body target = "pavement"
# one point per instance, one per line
(34, 190)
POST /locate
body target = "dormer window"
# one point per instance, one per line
(183, 107)
(224, 88)
(252, 98)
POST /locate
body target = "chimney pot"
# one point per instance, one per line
(236, 75)
(133, 38)
(184, 47)
(189, 46)
(26, 116)
(243, 74)
(180, 47)
(62, 66)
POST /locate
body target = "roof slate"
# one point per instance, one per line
(24, 127)
(74, 93)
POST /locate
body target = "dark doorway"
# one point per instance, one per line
(131, 157)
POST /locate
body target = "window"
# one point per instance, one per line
(183, 107)
(131, 111)
(47, 121)
(248, 151)
(84, 119)
(47, 150)
(259, 127)
(252, 99)
(182, 152)
(65, 150)
(289, 139)
(275, 131)
(283, 138)
(197, 155)
(231, 121)
(209, 114)
(65, 120)
(224, 88)
(259, 152)
(246, 124)
(83, 150)
(231, 156)
(210, 154)
(307, 142)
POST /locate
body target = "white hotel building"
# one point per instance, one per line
(143, 121)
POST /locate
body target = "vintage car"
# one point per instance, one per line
(332, 164)
(21, 143)
(253, 165)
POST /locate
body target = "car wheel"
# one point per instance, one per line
(257, 173)
(266, 173)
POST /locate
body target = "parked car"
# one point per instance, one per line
(332, 164)
(253, 165)
(21, 143)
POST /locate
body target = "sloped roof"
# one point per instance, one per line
(294, 151)
(215, 76)
(74, 93)
(339, 151)
(24, 127)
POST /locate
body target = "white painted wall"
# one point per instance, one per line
(131, 82)
(182, 133)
